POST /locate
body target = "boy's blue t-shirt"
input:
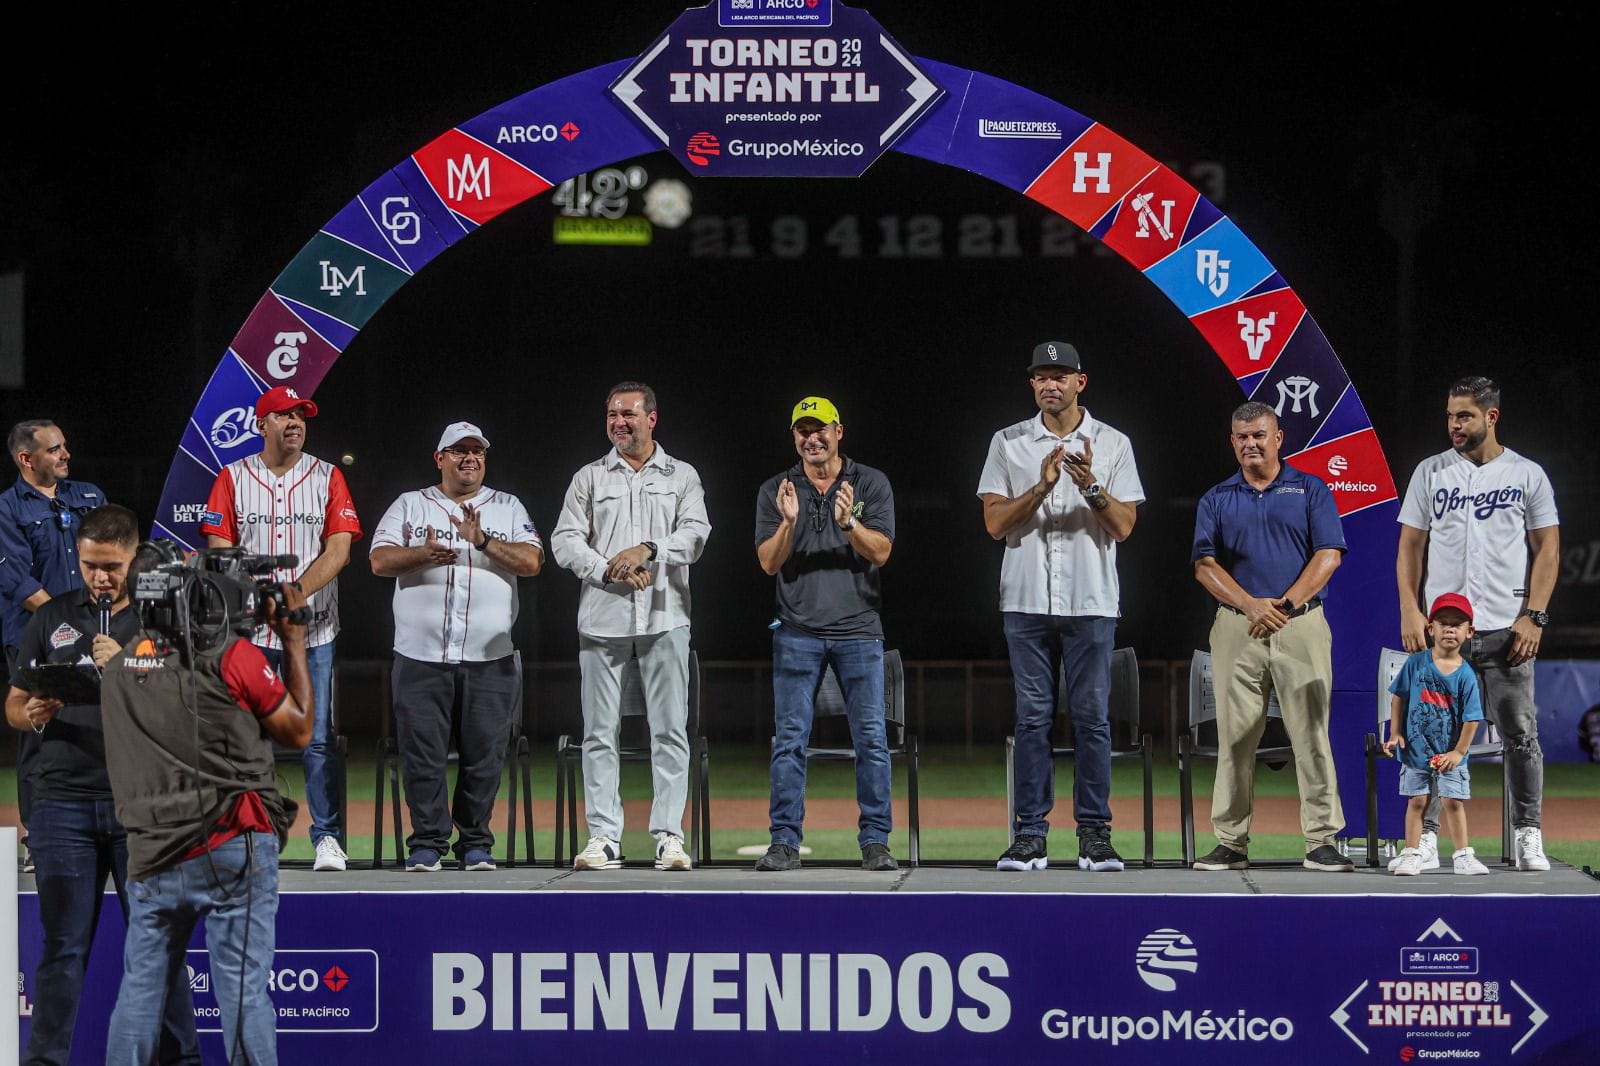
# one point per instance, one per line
(1436, 705)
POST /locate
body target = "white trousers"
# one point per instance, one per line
(652, 670)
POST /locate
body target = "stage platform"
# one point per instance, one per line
(1164, 879)
(926, 965)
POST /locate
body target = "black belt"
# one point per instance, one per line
(1310, 605)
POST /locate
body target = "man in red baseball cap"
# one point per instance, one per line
(283, 501)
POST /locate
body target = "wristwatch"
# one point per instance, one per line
(651, 545)
(1540, 618)
(1092, 491)
(848, 526)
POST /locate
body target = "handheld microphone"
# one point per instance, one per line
(104, 604)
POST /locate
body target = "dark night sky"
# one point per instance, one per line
(155, 177)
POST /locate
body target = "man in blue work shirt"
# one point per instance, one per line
(39, 518)
(1266, 541)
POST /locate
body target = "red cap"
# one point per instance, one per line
(1451, 599)
(282, 398)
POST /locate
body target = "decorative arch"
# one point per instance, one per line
(1181, 242)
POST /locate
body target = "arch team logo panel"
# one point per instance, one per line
(773, 71)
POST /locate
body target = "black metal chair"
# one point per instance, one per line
(1200, 741)
(1128, 741)
(829, 714)
(518, 755)
(1486, 743)
(633, 745)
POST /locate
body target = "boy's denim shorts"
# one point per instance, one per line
(1453, 785)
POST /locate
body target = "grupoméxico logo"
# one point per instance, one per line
(1162, 953)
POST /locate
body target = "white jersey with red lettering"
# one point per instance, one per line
(266, 514)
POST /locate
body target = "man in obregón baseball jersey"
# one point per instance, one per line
(456, 550)
(283, 501)
(1476, 510)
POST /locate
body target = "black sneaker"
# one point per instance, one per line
(1025, 853)
(1223, 857)
(1327, 857)
(1096, 853)
(876, 857)
(779, 857)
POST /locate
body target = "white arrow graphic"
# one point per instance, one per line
(1438, 930)
(1537, 1016)
(1341, 1016)
(921, 89)
(628, 91)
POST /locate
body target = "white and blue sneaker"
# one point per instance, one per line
(601, 854)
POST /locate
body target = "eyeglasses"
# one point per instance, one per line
(459, 454)
(63, 514)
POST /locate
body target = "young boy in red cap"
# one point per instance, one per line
(1433, 717)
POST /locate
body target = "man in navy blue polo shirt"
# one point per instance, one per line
(39, 518)
(1266, 541)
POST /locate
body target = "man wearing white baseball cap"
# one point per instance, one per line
(456, 551)
(284, 501)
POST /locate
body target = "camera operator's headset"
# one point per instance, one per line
(175, 617)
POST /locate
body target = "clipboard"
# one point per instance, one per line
(66, 682)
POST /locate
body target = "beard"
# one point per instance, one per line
(1473, 442)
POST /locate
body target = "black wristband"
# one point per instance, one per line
(485, 545)
(651, 545)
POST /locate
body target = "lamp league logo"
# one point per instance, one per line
(1441, 1002)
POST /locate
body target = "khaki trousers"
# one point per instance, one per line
(1297, 663)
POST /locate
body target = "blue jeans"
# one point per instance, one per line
(798, 663)
(235, 889)
(320, 760)
(76, 844)
(1043, 648)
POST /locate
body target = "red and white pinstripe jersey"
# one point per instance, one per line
(259, 511)
(461, 612)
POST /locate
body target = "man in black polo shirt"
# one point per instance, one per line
(823, 528)
(75, 836)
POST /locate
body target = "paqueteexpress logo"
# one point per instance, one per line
(1162, 953)
(701, 146)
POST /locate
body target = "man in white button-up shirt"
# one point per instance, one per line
(1059, 595)
(1475, 510)
(456, 550)
(631, 525)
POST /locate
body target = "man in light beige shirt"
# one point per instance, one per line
(630, 526)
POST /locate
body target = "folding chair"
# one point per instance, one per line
(518, 755)
(633, 745)
(340, 746)
(1200, 742)
(1486, 743)
(829, 711)
(1127, 741)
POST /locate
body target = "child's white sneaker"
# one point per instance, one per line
(1428, 846)
(1466, 862)
(1408, 863)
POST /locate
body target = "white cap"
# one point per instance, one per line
(457, 431)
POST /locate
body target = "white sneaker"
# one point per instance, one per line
(670, 854)
(601, 854)
(330, 856)
(1466, 862)
(1428, 845)
(1408, 863)
(1529, 848)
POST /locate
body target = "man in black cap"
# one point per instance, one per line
(1059, 595)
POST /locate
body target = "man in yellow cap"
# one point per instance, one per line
(824, 527)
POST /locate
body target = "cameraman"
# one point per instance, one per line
(76, 839)
(189, 721)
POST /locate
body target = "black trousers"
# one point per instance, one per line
(474, 705)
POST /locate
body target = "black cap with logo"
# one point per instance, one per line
(1056, 353)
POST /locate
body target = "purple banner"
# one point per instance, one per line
(776, 88)
(696, 977)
